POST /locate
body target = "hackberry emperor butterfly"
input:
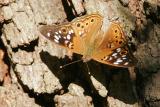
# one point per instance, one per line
(85, 36)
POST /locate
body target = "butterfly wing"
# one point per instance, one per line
(63, 35)
(74, 35)
(113, 49)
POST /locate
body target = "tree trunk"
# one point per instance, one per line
(34, 62)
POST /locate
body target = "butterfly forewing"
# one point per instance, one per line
(87, 28)
(76, 35)
(63, 35)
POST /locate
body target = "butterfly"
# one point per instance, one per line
(85, 36)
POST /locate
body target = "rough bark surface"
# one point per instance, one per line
(33, 61)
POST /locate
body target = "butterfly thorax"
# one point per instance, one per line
(86, 58)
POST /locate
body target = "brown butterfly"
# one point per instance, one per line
(85, 36)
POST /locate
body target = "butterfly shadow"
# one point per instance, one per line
(117, 81)
(65, 75)
(121, 86)
(75, 73)
(118, 88)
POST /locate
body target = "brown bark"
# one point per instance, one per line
(35, 62)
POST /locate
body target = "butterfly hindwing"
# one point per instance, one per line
(113, 49)
(119, 57)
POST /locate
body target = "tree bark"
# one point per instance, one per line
(35, 62)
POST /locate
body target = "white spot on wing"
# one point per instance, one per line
(71, 31)
(119, 60)
(56, 40)
(64, 37)
(126, 63)
(66, 42)
(48, 34)
(110, 58)
(114, 54)
(116, 63)
(59, 36)
(56, 32)
(56, 37)
(70, 45)
(68, 37)
(118, 49)
(123, 56)
(59, 31)
(80, 33)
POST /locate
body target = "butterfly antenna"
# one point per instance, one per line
(70, 63)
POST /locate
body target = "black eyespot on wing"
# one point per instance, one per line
(78, 24)
(120, 42)
(82, 26)
(63, 30)
(92, 20)
(115, 31)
